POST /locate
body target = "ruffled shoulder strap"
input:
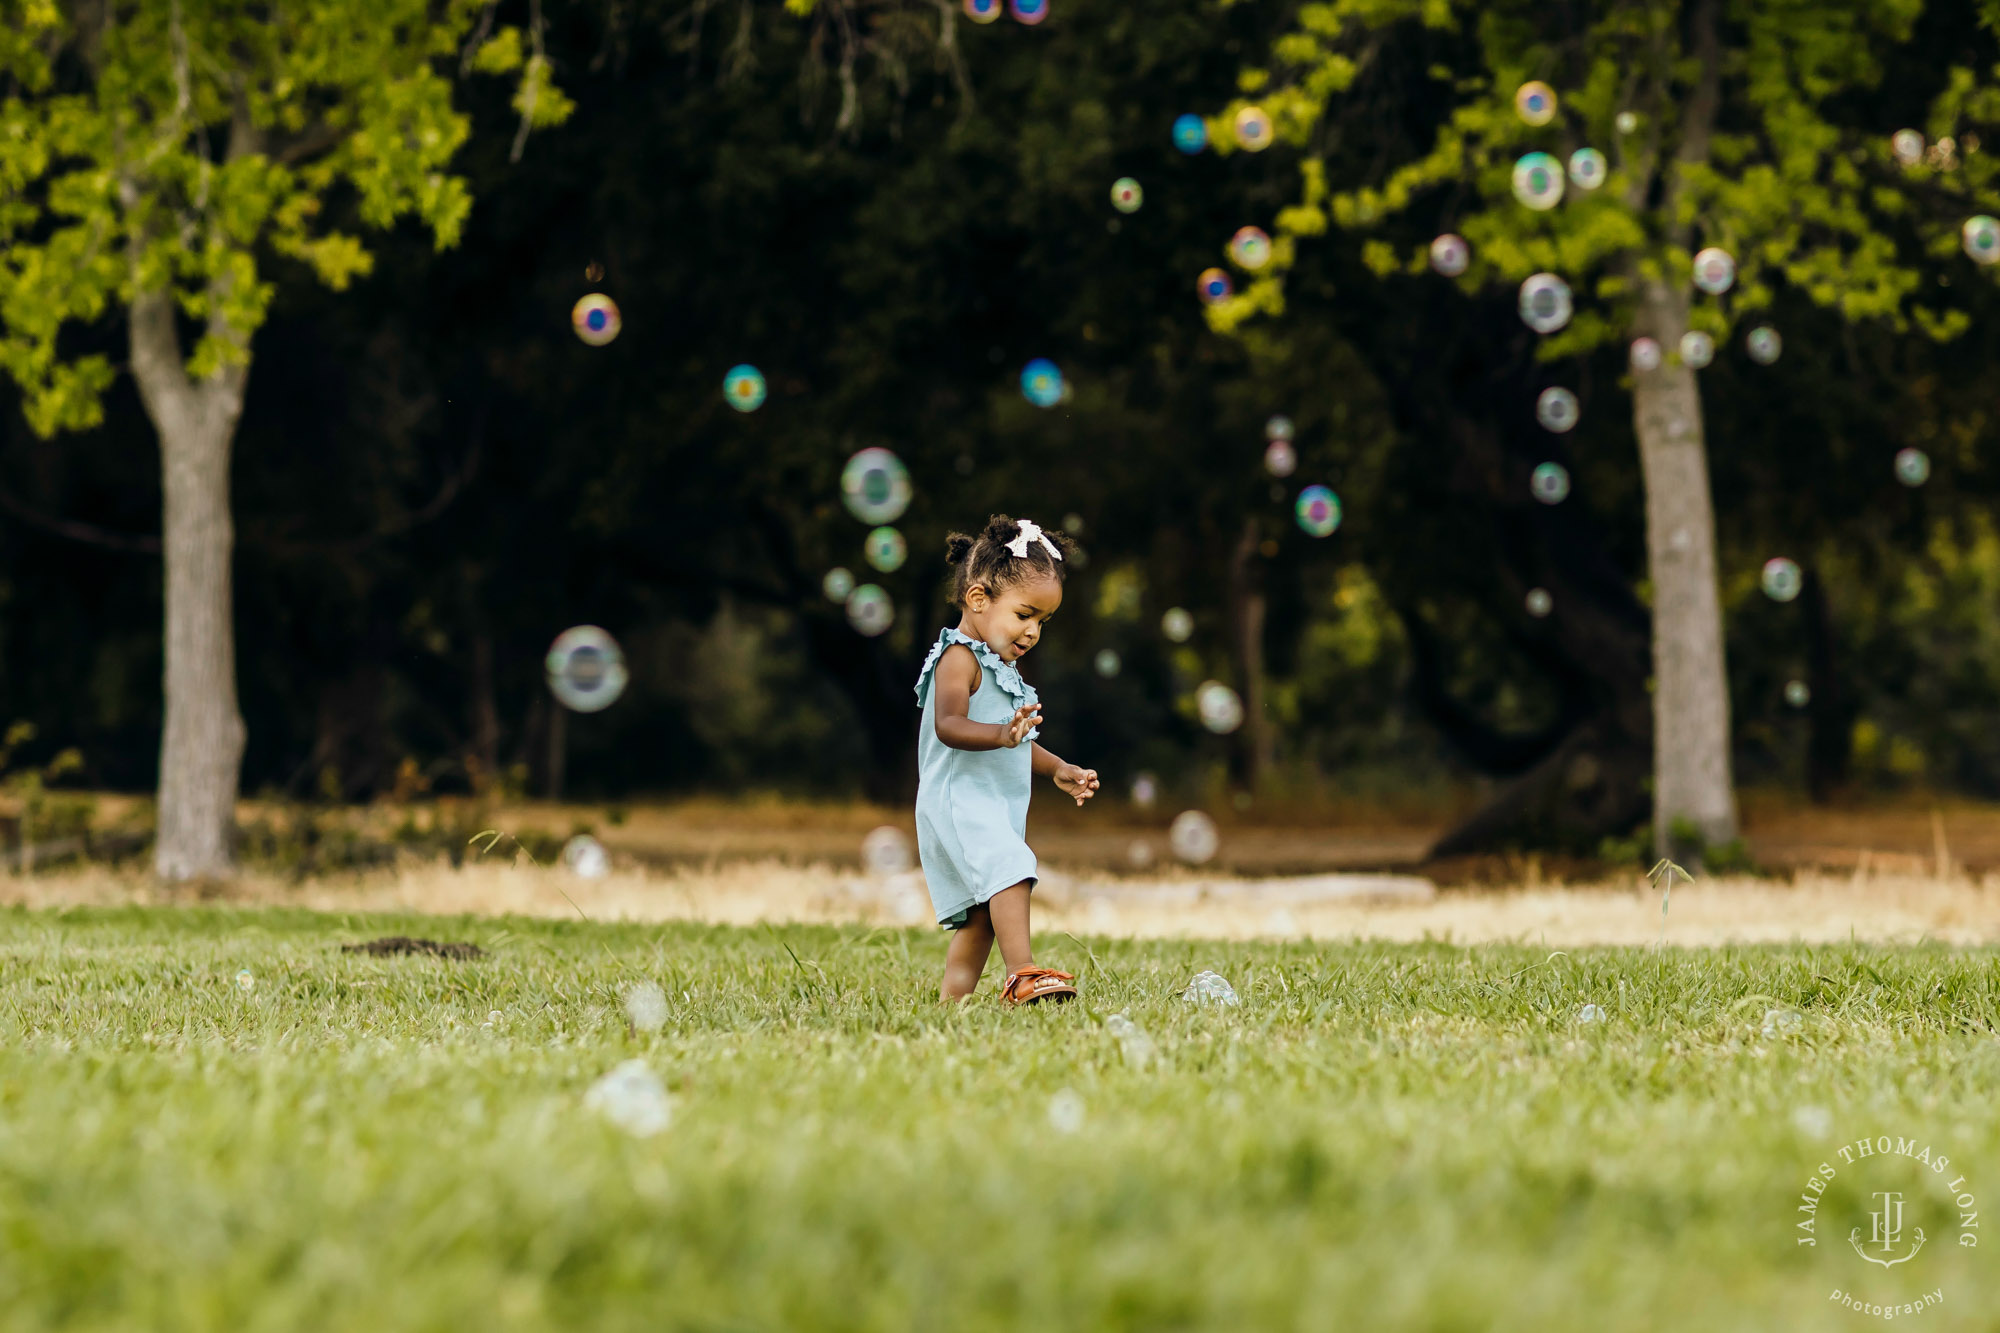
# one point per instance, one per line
(1005, 674)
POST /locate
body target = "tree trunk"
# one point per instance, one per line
(1246, 648)
(201, 752)
(1694, 798)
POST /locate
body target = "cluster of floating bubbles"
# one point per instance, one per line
(1253, 128)
(1714, 270)
(1697, 349)
(1646, 354)
(1250, 248)
(1545, 302)
(1317, 511)
(1214, 285)
(1127, 195)
(1557, 410)
(1194, 837)
(869, 610)
(885, 549)
(1538, 181)
(1913, 467)
(1781, 579)
(1587, 169)
(743, 388)
(1535, 102)
(1220, 707)
(1797, 693)
(1190, 133)
(1539, 603)
(1177, 624)
(1981, 238)
(886, 851)
(875, 486)
(1042, 382)
(1107, 663)
(595, 319)
(1029, 12)
(1549, 483)
(586, 669)
(838, 585)
(1450, 255)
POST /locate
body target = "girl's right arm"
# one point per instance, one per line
(956, 678)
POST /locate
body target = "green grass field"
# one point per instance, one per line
(1379, 1137)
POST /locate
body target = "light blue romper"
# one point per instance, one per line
(972, 805)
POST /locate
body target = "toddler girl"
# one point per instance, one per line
(977, 756)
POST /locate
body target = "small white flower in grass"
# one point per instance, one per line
(1209, 988)
(1590, 1013)
(632, 1098)
(245, 982)
(1782, 1023)
(1815, 1122)
(1066, 1111)
(646, 1006)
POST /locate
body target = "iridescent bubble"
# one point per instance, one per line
(1797, 693)
(1591, 1013)
(1250, 248)
(1127, 195)
(1107, 663)
(245, 982)
(1190, 133)
(1535, 102)
(1556, 409)
(1318, 511)
(1279, 428)
(1587, 169)
(1029, 12)
(1214, 285)
(1627, 122)
(585, 857)
(585, 669)
(1908, 147)
(1193, 837)
(870, 611)
(1645, 354)
(1450, 254)
(1549, 483)
(1253, 128)
(1145, 791)
(1714, 270)
(982, 11)
(743, 388)
(838, 585)
(1221, 708)
(1538, 181)
(886, 851)
(1697, 349)
(595, 319)
(1782, 579)
(1981, 238)
(1042, 382)
(1764, 344)
(875, 486)
(1280, 459)
(1545, 303)
(886, 550)
(1539, 602)
(1209, 987)
(1177, 624)
(1913, 467)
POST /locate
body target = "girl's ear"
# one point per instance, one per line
(975, 597)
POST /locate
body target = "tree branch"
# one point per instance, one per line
(72, 530)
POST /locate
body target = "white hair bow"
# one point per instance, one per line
(1031, 533)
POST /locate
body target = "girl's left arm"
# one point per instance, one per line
(1078, 783)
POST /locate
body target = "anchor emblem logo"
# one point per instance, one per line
(1885, 1231)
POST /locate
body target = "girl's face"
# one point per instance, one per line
(1011, 620)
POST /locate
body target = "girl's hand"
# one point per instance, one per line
(1026, 719)
(1080, 783)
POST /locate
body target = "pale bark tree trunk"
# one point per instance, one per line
(1693, 788)
(202, 748)
(1246, 644)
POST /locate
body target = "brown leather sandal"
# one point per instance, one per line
(1032, 985)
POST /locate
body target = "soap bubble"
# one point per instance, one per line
(1782, 1023)
(1981, 238)
(1697, 349)
(1209, 988)
(1797, 693)
(1107, 663)
(1913, 467)
(743, 388)
(837, 585)
(886, 549)
(1250, 248)
(1908, 147)
(1556, 409)
(1545, 303)
(632, 1098)
(982, 11)
(1714, 270)
(1587, 169)
(1782, 579)
(1591, 1013)
(1278, 428)
(1549, 483)
(1066, 1111)
(886, 851)
(875, 486)
(1645, 354)
(1190, 133)
(1177, 624)
(586, 669)
(1450, 254)
(1139, 853)
(1193, 837)
(1538, 181)
(1133, 1043)
(1214, 285)
(1221, 708)
(1764, 344)
(1318, 511)
(1145, 791)
(645, 1006)
(1029, 12)
(1280, 459)
(1127, 195)
(870, 610)
(1627, 122)
(1540, 603)
(245, 982)
(1042, 382)
(585, 857)
(1253, 128)
(1536, 102)
(595, 319)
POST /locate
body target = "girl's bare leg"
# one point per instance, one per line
(965, 958)
(1007, 913)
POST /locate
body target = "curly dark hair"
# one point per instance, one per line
(985, 559)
